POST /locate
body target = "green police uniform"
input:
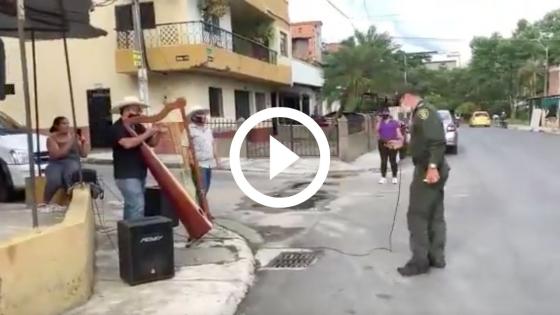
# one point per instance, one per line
(426, 222)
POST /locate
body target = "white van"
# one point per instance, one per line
(14, 161)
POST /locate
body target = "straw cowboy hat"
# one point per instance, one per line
(127, 101)
(197, 109)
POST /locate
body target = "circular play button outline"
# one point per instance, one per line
(280, 202)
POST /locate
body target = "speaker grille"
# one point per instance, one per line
(146, 250)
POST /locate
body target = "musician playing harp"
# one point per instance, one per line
(129, 168)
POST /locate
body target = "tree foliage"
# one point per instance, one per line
(502, 71)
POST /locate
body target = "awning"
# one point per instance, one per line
(546, 102)
(45, 19)
(49, 19)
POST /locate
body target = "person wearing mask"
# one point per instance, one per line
(129, 168)
(65, 149)
(389, 135)
(203, 145)
(425, 216)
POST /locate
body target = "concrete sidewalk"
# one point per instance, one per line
(212, 276)
(540, 129)
(306, 165)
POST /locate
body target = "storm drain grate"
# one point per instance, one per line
(293, 260)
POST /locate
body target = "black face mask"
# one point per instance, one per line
(198, 119)
(384, 116)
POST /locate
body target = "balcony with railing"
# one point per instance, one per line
(194, 45)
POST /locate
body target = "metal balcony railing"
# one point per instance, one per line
(189, 33)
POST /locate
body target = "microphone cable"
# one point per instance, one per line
(388, 248)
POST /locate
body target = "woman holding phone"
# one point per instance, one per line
(65, 149)
(390, 141)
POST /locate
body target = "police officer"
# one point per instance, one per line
(426, 222)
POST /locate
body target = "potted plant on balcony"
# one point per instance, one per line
(213, 8)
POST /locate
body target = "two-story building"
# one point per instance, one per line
(307, 72)
(230, 56)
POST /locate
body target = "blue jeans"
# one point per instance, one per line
(206, 174)
(132, 190)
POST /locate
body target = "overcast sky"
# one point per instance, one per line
(442, 25)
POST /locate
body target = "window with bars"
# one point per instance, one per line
(284, 44)
(260, 101)
(123, 16)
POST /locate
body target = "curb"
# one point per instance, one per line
(230, 283)
(245, 252)
(175, 165)
(537, 130)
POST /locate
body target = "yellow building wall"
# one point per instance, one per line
(50, 270)
(277, 8)
(93, 65)
(226, 62)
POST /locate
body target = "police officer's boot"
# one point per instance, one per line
(437, 263)
(413, 269)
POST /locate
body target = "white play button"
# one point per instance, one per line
(280, 157)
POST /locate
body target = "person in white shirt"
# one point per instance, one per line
(203, 144)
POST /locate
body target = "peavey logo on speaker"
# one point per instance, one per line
(151, 238)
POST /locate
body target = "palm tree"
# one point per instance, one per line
(365, 63)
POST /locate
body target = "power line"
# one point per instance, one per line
(366, 9)
(342, 13)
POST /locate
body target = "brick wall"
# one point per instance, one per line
(310, 31)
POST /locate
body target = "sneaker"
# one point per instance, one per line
(395, 181)
(383, 181)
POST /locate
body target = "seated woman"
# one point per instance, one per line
(65, 149)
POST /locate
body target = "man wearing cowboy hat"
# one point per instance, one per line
(203, 144)
(129, 168)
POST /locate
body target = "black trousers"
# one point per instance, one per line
(388, 154)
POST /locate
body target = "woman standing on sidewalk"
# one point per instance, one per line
(390, 140)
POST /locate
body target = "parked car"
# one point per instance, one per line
(14, 161)
(480, 119)
(451, 131)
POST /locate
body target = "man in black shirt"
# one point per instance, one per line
(130, 171)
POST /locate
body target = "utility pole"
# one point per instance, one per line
(405, 70)
(545, 93)
(27, 99)
(139, 53)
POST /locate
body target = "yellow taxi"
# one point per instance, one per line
(480, 119)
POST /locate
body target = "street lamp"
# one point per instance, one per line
(546, 65)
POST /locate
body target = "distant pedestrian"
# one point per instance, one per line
(426, 221)
(390, 140)
(203, 145)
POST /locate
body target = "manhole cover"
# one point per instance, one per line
(293, 260)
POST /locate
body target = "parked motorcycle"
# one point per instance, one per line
(503, 123)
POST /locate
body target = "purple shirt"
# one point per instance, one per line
(388, 130)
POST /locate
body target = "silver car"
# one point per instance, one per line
(451, 133)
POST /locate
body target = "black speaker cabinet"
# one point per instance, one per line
(146, 250)
(158, 204)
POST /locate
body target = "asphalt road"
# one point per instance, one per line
(503, 214)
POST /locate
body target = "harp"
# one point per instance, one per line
(191, 215)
